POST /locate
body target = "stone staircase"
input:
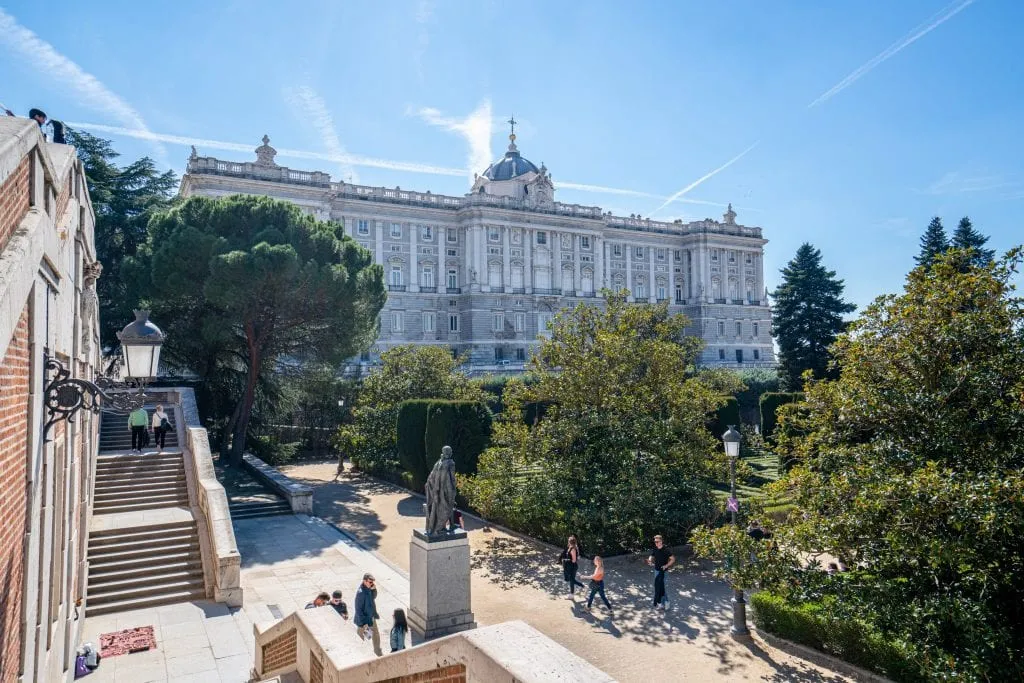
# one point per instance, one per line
(264, 505)
(143, 540)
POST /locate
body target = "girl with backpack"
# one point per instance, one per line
(161, 425)
(570, 565)
(398, 631)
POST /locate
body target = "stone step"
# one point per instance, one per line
(137, 468)
(125, 605)
(144, 591)
(173, 493)
(163, 536)
(147, 528)
(141, 476)
(115, 560)
(143, 485)
(141, 505)
(260, 510)
(143, 562)
(145, 460)
(152, 569)
(136, 581)
(145, 542)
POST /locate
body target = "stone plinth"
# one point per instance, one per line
(439, 593)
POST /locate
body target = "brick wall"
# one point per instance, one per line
(14, 416)
(456, 673)
(280, 652)
(13, 201)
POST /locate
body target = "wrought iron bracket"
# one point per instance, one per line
(65, 395)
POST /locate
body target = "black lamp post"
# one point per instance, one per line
(731, 440)
(64, 395)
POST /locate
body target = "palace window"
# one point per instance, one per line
(452, 252)
(363, 227)
(453, 235)
(616, 250)
(584, 242)
(739, 329)
(396, 229)
(755, 331)
(428, 322)
(757, 354)
(721, 354)
(427, 232)
(427, 277)
(493, 234)
(397, 321)
(639, 252)
(520, 322)
(732, 257)
(453, 279)
(395, 278)
(520, 353)
(679, 255)
(662, 294)
(542, 237)
(661, 254)
(453, 323)
(750, 259)
(498, 322)
(721, 329)
(714, 254)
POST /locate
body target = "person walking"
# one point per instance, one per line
(366, 612)
(399, 630)
(597, 584)
(661, 559)
(161, 425)
(137, 422)
(570, 565)
(339, 605)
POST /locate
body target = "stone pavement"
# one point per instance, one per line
(515, 578)
(286, 561)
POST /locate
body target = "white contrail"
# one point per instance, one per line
(353, 159)
(704, 177)
(916, 34)
(90, 91)
(308, 104)
(475, 128)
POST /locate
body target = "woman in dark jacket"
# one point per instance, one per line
(571, 565)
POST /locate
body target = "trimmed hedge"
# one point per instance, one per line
(851, 640)
(727, 414)
(463, 425)
(412, 425)
(770, 403)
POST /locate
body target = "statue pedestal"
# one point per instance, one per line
(439, 592)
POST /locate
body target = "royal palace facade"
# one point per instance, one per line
(484, 273)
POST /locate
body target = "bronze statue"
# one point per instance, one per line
(440, 490)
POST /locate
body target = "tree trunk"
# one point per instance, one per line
(245, 412)
(229, 430)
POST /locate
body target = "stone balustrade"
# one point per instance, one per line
(299, 496)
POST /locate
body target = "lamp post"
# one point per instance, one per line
(64, 395)
(731, 441)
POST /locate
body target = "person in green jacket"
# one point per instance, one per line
(138, 421)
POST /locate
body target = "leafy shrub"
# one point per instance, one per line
(851, 640)
(463, 425)
(770, 403)
(412, 427)
(272, 451)
(727, 414)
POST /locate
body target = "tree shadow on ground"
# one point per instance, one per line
(348, 506)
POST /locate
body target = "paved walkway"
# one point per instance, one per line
(517, 579)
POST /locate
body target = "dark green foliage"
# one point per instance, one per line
(933, 243)
(534, 411)
(770, 403)
(966, 237)
(727, 414)
(272, 451)
(849, 639)
(463, 425)
(756, 382)
(123, 200)
(808, 315)
(412, 428)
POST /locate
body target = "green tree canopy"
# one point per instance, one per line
(933, 243)
(966, 237)
(912, 466)
(808, 314)
(123, 199)
(256, 280)
(623, 451)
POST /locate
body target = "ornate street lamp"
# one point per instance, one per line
(731, 441)
(64, 395)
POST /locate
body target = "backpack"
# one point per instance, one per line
(165, 424)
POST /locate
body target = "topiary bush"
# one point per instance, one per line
(463, 425)
(770, 403)
(412, 426)
(851, 640)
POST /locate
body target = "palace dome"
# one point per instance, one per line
(512, 165)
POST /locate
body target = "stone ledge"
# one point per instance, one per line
(816, 656)
(299, 496)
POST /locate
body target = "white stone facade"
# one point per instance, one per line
(485, 272)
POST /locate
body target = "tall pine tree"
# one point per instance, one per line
(966, 237)
(933, 243)
(807, 315)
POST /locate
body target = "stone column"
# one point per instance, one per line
(414, 267)
(577, 282)
(380, 244)
(528, 261)
(506, 258)
(479, 262)
(629, 271)
(599, 257)
(652, 284)
(556, 258)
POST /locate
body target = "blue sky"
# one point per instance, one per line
(860, 119)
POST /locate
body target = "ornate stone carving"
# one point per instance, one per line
(265, 154)
(90, 304)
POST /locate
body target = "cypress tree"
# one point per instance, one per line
(966, 237)
(933, 243)
(807, 316)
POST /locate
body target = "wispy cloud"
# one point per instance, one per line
(475, 129)
(309, 106)
(962, 182)
(910, 38)
(356, 160)
(424, 16)
(706, 176)
(89, 91)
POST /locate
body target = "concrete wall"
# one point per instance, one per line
(46, 302)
